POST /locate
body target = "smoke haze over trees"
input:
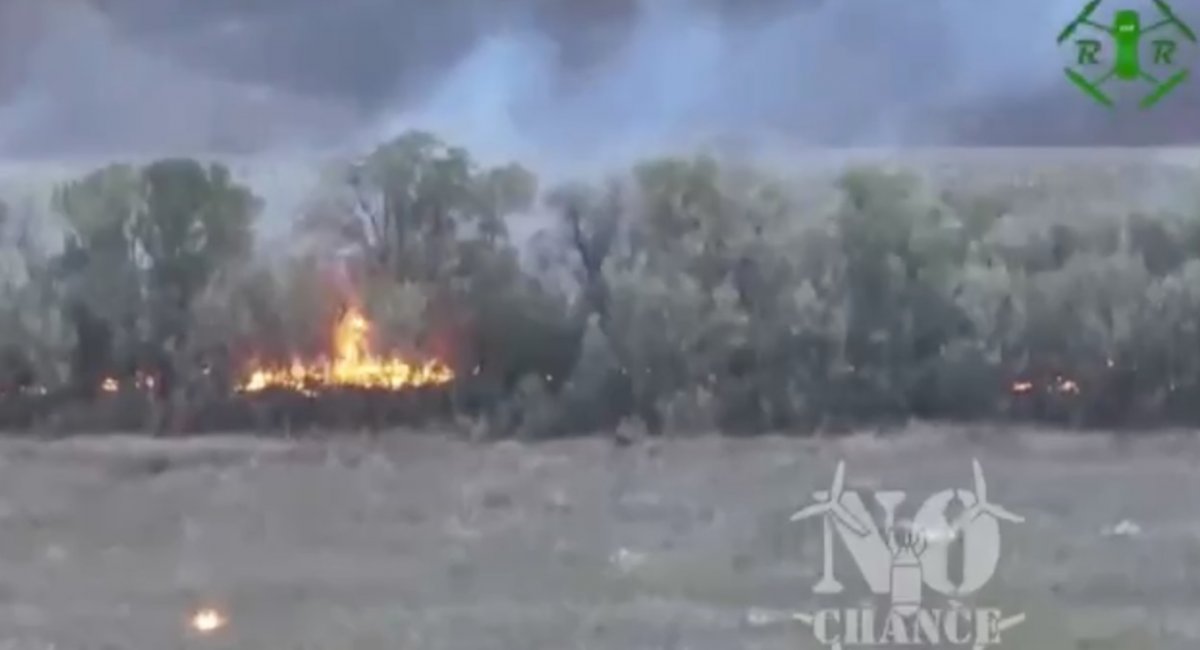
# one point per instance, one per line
(91, 77)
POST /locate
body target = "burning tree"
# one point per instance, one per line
(417, 215)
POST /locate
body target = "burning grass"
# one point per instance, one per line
(353, 365)
(350, 388)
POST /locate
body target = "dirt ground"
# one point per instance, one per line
(422, 541)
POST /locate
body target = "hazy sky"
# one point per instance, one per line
(573, 78)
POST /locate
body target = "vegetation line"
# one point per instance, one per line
(683, 294)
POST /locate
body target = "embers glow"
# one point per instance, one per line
(1060, 386)
(141, 381)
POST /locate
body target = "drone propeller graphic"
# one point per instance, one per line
(982, 506)
(1083, 17)
(1169, 18)
(830, 503)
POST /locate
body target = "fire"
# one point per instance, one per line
(207, 620)
(1022, 387)
(1066, 386)
(141, 381)
(353, 365)
(1061, 385)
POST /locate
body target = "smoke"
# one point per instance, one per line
(134, 77)
(863, 73)
(569, 87)
(84, 91)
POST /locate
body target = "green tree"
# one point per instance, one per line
(193, 223)
(415, 196)
(902, 253)
(143, 245)
(32, 333)
(98, 267)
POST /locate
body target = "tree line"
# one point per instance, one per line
(683, 294)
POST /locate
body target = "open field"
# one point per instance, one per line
(412, 541)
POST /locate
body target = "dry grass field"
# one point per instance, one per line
(425, 542)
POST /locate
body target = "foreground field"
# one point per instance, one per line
(424, 542)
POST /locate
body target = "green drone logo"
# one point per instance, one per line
(1125, 35)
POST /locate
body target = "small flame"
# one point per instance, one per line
(1061, 385)
(352, 366)
(1022, 387)
(1068, 386)
(207, 620)
(141, 381)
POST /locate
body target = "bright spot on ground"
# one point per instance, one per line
(207, 620)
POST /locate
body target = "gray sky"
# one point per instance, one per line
(554, 78)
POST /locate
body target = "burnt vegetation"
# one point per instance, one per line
(685, 295)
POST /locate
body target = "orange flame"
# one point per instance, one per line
(353, 366)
